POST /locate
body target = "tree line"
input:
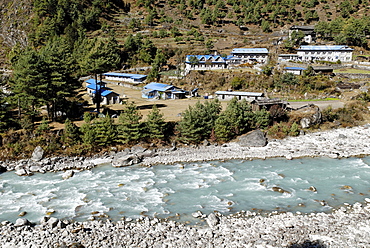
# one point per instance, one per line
(203, 121)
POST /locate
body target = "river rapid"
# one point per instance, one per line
(177, 191)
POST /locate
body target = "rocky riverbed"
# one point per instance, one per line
(346, 227)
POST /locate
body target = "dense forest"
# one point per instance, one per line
(50, 44)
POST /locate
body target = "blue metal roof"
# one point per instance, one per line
(125, 75)
(158, 86)
(325, 48)
(207, 57)
(295, 68)
(249, 50)
(105, 92)
(92, 81)
(93, 86)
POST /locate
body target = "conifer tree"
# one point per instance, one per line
(105, 131)
(87, 129)
(71, 133)
(198, 121)
(155, 124)
(29, 83)
(129, 127)
(237, 119)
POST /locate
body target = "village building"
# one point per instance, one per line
(249, 96)
(251, 55)
(107, 96)
(289, 58)
(125, 77)
(294, 70)
(204, 62)
(308, 31)
(162, 91)
(342, 53)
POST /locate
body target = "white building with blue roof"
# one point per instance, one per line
(251, 55)
(107, 96)
(155, 90)
(205, 62)
(125, 77)
(325, 53)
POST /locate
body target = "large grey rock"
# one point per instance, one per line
(37, 154)
(126, 160)
(212, 220)
(254, 138)
(22, 222)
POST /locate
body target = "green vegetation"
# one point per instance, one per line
(70, 39)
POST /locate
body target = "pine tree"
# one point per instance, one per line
(71, 133)
(88, 132)
(105, 131)
(62, 82)
(198, 121)
(129, 127)
(237, 119)
(155, 124)
(29, 83)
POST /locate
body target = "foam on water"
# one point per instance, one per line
(185, 188)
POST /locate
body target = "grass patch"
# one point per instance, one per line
(315, 100)
(350, 70)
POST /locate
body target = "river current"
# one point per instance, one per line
(176, 191)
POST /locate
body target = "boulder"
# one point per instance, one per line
(22, 222)
(52, 222)
(37, 154)
(21, 172)
(212, 220)
(311, 116)
(254, 138)
(68, 174)
(126, 160)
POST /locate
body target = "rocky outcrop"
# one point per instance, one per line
(254, 138)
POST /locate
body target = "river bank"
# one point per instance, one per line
(346, 227)
(335, 143)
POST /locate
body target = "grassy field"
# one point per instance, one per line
(350, 70)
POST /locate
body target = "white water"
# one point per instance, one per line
(163, 191)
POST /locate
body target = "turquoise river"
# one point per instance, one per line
(176, 191)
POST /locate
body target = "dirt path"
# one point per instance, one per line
(321, 104)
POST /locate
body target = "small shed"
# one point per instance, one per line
(155, 90)
(268, 103)
(249, 96)
(326, 70)
(294, 70)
